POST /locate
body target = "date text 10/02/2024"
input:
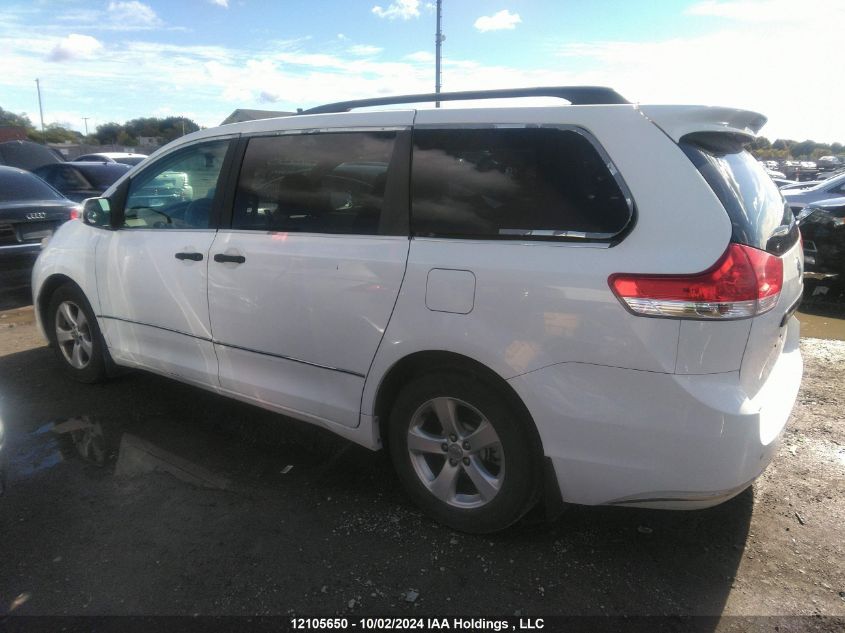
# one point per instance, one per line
(418, 624)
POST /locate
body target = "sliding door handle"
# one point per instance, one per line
(234, 259)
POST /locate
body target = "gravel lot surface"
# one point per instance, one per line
(145, 496)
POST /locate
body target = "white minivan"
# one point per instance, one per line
(591, 302)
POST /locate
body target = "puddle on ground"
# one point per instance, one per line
(822, 326)
(56, 442)
(37, 458)
(122, 453)
(194, 455)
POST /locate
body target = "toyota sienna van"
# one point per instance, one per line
(589, 302)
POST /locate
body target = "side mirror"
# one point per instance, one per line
(97, 212)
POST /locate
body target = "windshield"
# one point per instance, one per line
(18, 186)
(759, 215)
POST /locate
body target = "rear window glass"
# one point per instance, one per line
(759, 215)
(102, 176)
(19, 186)
(535, 183)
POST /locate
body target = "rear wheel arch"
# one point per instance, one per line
(462, 443)
(429, 362)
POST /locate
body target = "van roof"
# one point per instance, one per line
(676, 121)
(575, 95)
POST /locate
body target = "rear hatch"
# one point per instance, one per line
(761, 219)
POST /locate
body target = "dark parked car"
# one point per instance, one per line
(823, 230)
(78, 181)
(798, 198)
(27, 155)
(30, 210)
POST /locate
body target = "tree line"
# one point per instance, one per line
(126, 134)
(787, 149)
(169, 128)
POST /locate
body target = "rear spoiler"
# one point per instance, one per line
(678, 121)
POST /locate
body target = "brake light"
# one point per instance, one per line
(74, 213)
(744, 282)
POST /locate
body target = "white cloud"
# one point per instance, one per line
(220, 3)
(79, 15)
(504, 20)
(133, 14)
(74, 46)
(268, 97)
(757, 11)
(364, 50)
(736, 65)
(730, 62)
(117, 15)
(422, 57)
(404, 9)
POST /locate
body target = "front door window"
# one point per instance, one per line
(177, 192)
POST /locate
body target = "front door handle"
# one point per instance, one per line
(234, 259)
(196, 257)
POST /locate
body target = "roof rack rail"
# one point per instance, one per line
(576, 95)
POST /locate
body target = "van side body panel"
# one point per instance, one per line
(540, 303)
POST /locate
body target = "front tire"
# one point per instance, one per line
(75, 335)
(463, 453)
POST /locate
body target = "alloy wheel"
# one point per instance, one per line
(456, 452)
(73, 335)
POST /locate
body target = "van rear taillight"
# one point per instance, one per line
(744, 282)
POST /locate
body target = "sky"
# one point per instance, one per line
(114, 60)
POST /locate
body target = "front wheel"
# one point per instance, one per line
(74, 333)
(464, 454)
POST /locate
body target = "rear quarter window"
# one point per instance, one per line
(760, 217)
(515, 183)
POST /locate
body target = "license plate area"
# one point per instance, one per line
(35, 231)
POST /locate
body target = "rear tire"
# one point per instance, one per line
(75, 335)
(463, 453)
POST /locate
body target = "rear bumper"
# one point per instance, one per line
(626, 437)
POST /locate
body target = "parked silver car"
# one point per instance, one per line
(800, 198)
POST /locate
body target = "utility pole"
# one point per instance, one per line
(438, 42)
(85, 118)
(41, 112)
